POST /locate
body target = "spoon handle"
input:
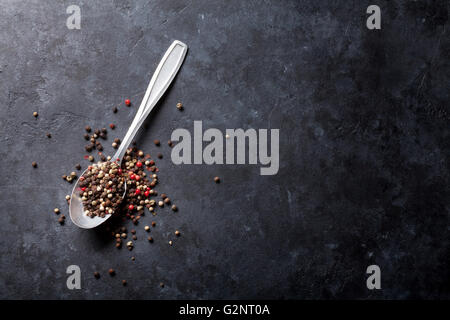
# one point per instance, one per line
(161, 79)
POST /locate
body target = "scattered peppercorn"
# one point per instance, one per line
(112, 126)
(127, 102)
(111, 272)
(179, 106)
(150, 239)
(161, 285)
(96, 275)
(35, 114)
(159, 155)
(130, 245)
(88, 128)
(34, 164)
(78, 166)
(170, 242)
(48, 135)
(62, 219)
(170, 143)
(174, 208)
(124, 282)
(157, 142)
(115, 110)
(153, 224)
(216, 179)
(56, 210)
(177, 233)
(147, 228)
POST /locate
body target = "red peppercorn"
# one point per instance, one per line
(137, 178)
(130, 207)
(132, 177)
(112, 126)
(83, 189)
(119, 171)
(138, 164)
(127, 102)
(137, 192)
(147, 193)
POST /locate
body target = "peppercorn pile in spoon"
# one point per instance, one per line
(101, 189)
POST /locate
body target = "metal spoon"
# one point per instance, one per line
(163, 76)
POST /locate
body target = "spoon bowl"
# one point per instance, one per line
(161, 79)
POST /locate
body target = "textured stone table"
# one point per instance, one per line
(364, 147)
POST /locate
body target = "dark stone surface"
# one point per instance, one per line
(364, 147)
